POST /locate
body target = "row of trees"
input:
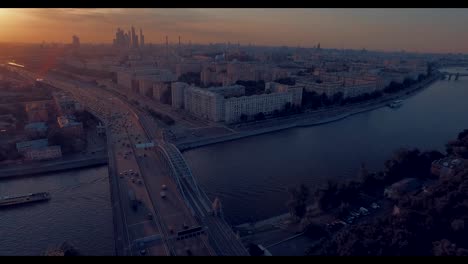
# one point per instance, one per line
(192, 78)
(432, 222)
(405, 163)
(252, 87)
(288, 109)
(429, 223)
(67, 144)
(9, 152)
(459, 147)
(163, 117)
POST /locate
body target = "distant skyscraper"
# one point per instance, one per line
(129, 39)
(167, 46)
(142, 39)
(134, 39)
(75, 42)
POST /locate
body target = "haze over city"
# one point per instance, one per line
(419, 30)
(233, 132)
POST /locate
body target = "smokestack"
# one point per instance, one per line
(179, 41)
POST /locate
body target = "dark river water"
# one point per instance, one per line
(251, 175)
(79, 212)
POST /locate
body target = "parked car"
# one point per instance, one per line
(350, 220)
(354, 213)
(363, 211)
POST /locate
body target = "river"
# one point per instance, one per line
(79, 212)
(251, 175)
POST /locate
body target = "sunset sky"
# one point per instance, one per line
(423, 30)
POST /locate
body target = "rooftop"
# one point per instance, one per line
(36, 126)
(38, 143)
(66, 121)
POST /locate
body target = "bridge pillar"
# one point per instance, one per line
(456, 76)
(450, 77)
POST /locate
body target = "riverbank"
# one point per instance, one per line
(309, 119)
(53, 166)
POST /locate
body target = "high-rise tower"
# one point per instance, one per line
(142, 39)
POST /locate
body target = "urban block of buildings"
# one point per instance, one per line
(38, 150)
(229, 103)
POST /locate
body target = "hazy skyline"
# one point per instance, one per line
(421, 30)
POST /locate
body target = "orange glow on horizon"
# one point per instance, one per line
(433, 30)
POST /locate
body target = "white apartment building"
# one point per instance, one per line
(359, 88)
(252, 105)
(329, 88)
(204, 103)
(295, 90)
(228, 103)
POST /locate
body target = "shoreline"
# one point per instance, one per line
(306, 122)
(18, 172)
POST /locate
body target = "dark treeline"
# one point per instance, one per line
(428, 222)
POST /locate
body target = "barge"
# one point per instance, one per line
(22, 199)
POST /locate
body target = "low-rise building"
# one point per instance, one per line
(36, 129)
(69, 126)
(44, 153)
(24, 146)
(66, 104)
(7, 124)
(38, 111)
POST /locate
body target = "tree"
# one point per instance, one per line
(298, 201)
(337, 97)
(259, 116)
(243, 117)
(429, 69)
(286, 81)
(190, 78)
(254, 250)
(166, 97)
(421, 77)
(324, 99)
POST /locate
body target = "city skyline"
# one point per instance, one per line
(413, 30)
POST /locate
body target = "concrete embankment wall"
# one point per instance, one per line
(41, 169)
